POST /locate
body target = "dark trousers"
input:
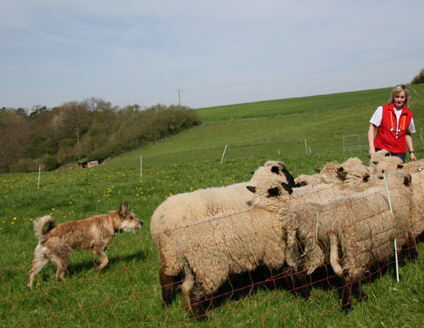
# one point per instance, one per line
(402, 156)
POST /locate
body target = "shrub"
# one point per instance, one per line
(418, 78)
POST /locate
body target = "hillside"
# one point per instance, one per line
(127, 291)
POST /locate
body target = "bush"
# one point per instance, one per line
(90, 129)
(24, 165)
(50, 163)
(418, 78)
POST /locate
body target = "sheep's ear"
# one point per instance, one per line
(341, 173)
(318, 170)
(407, 180)
(388, 154)
(251, 188)
(273, 192)
(400, 166)
(287, 187)
(275, 169)
(365, 177)
(375, 162)
(289, 177)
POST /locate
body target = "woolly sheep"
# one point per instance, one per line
(182, 210)
(215, 247)
(381, 164)
(361, 223)
(351, 174)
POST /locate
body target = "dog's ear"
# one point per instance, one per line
(123, 210)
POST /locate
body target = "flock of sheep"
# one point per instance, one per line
(347, 215)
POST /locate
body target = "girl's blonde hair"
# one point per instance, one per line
(398, 89)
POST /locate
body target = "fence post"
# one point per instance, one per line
(396, 260)
(223, 154)
(39, 176)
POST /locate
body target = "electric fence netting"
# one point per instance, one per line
(292, 258)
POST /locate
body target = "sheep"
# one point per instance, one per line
(224, 245)
(182, 210)
(351, 174)
(360, 224)
(380, 164)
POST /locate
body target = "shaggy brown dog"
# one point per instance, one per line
(94, 233)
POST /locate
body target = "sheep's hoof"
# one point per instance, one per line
(199, 310)
(346, 308)
(362, 296)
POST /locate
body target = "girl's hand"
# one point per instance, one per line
(413, 157)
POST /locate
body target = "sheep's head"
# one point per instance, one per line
(387, 164)
(273, 191)
(353, 171)
(377, 157)
(271, 170)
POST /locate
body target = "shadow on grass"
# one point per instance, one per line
(113, 260)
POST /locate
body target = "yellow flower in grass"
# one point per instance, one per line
(14, 218)
(12, 222)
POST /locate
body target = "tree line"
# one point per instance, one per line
(419, 78)
(83, 130)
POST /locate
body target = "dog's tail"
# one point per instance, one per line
(39, 225)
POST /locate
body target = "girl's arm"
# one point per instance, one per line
(371, 137)
(410, 145)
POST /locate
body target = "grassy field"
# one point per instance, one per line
(303, 132)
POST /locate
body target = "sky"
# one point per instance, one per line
(213, 52)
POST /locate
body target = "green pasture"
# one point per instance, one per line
(305, 133)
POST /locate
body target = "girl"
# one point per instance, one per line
(394, 124)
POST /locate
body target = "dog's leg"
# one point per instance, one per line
(61, 262)
(102, 256)
(39, 262)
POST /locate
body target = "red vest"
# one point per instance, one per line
(388, 137)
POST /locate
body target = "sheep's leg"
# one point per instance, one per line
(346, 305)
(187, 285)
(303, 286)
(411, 245)
(358, 292)
(199, 304)
(167, 284)
(193, 294)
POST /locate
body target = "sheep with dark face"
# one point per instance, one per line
(351, 174)
(177, 213)
(384, 163)
(360, 225)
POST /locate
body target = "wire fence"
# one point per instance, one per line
(245, 268)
